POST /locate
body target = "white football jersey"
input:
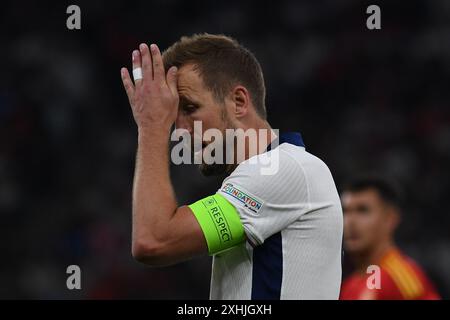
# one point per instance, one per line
(293, 222)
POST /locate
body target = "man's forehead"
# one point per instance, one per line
(189, 80)
(367, 195)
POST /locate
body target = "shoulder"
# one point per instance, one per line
(274, 174)
(285, 160)
(407, 276)
(274, 162)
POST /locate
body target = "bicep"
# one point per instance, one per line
(208, 226)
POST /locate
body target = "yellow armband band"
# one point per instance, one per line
(219, 222)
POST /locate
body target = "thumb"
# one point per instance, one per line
(171, 80)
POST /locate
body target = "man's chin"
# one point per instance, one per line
(354, 248)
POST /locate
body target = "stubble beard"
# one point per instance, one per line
(225, 168)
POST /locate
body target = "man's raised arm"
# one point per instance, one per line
(162, 233)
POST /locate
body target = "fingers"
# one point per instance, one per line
(127, 83)
(146, 59)
(171, 80)
(151, 62)
(158, 65)
(136, 58)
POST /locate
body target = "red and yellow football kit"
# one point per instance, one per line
(401, 279)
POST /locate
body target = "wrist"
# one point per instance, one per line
(155, 135)
(154, 132)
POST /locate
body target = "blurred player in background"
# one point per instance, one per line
(371, 215)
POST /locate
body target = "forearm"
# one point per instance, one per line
(162, 232)
(154, 202)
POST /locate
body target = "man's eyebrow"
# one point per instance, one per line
(186, 100)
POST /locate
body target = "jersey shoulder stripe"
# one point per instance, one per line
(403, 275)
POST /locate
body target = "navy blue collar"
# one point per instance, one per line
(294, 138)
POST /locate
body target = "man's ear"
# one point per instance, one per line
(394, 218)
(241, 100)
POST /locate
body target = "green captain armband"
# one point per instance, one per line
(219, 222)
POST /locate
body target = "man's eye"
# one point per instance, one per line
(363, 210)
(189, 108)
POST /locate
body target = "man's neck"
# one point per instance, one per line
(263, 140)
(265, 136)
(371, 257)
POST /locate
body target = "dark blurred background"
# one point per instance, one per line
(364, 100)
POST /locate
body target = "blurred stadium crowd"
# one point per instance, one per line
(365, 101)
